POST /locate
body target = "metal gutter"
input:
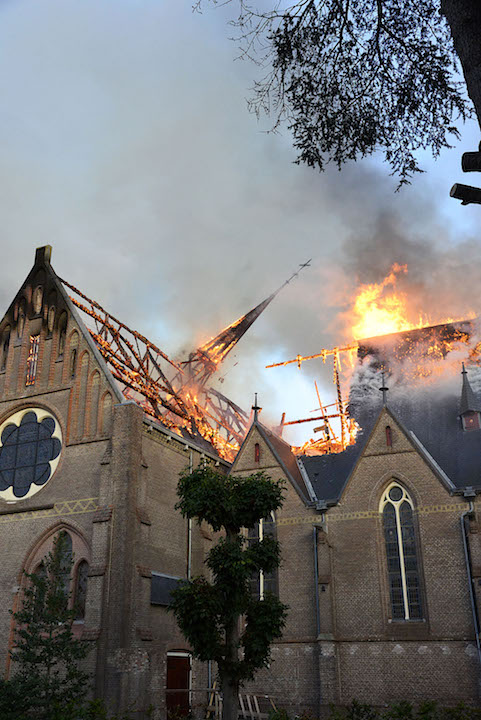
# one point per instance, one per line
(467, 559)
(189, 527)
(315, 528)
(307, 480)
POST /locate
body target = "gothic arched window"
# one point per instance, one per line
(263, 582)
(21, 318)
(62, 333)
(74, 570)
(66, 568)
(397, 511)
(5, 347)
(41, 573)
(80, 589)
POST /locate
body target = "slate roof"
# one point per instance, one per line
(328, 473)
(432, 422)
(283, 453)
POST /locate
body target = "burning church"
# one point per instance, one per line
(380, 528)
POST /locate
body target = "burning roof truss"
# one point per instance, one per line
(418, 353)
(175, 393)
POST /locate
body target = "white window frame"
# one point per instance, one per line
(386, 500)
(261, 537)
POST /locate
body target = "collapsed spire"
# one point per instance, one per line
(204, 361)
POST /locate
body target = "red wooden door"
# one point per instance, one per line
(178, 685)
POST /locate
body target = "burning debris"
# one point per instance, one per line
(408, 351)
(177, 394)
(180, 395)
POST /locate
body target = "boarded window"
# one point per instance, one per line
(388, 436)
(84, 372)
(161, 588)
(107, 414)
(94, 402)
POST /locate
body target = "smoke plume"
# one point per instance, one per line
(128, 147)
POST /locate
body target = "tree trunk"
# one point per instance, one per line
(230, 687)
(230, 699)
(464, 19)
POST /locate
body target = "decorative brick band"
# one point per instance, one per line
(306, 520)
(66, 507)
(365, 514)
(144, 571)
(103, 514)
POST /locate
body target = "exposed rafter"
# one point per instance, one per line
(176, 394)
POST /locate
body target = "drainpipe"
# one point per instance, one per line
(189, 528)
(316, 578)
(315, 528)
(467, 559)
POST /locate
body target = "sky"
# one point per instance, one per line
(126, 144)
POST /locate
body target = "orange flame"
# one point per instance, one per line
(378, 311)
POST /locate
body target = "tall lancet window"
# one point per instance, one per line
(401, 552)
(263, 582)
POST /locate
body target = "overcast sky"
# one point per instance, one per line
(126, 144)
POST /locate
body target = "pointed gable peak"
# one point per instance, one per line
(43, 255)
(280, 451)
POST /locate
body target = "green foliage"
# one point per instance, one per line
(47, 680)
(227, 501)
(352, 78)
(208, 614)
(264, 621)
(198, 609)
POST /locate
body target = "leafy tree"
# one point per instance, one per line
(47, 679)
(209, 613)
(351, 77)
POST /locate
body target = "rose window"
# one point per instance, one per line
(30, 445)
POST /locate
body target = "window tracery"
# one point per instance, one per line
(397, 511)
(262, 582)
(74, 575)
(30, 447)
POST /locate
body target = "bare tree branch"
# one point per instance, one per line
(349, 79)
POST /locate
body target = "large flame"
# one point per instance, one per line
(379, 309)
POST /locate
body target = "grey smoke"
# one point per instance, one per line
(126, 144)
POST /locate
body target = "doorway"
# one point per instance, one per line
(178, 686)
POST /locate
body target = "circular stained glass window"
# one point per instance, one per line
(30, 445)
(395, 493)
